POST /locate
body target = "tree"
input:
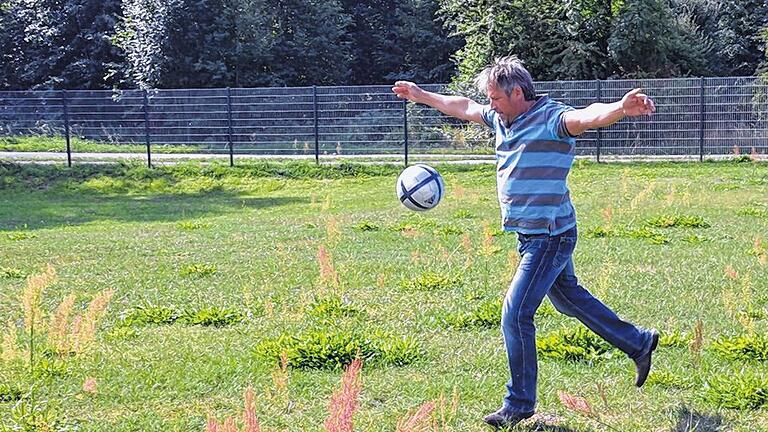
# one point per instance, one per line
(59, 44)
(539, 32)
(218, 43)
(648, 41)
(11, 39)
(732, 30)
(418, 48)
(585, 32)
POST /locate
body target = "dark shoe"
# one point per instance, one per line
(502, 418)
(643, 363)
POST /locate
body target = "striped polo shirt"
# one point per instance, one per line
(533, 157)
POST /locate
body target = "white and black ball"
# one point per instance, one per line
(420, 187)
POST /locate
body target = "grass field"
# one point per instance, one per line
(216, 272)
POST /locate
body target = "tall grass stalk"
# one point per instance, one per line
(344, 401)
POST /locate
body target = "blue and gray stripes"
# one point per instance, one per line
(534, 155)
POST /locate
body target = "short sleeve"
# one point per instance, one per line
(556, 122)
(489, 116)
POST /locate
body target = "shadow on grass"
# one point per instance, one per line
(544, 427)
(541, 422)
(38, 211)
(690, 421)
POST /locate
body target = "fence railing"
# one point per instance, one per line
(696, 117)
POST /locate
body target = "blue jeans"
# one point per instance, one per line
(546, 268)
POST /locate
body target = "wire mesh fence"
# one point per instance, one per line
(696, 117)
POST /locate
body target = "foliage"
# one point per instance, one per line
(212, 316)
(9, 393)
(334, 349)
(744, 390)
(666, 379)
(198, 270)
(59, 44)
(449, 229)
(753, 346)
(193, 225)
(577, 344)
(332, 307)
(485, 315)
(254, 43)
(431, 281)
(20, 235)
(150, 315)
(593, 39)
(677, 220)
(674, 339)
(645, 233)
(367, 226)
(638, 50)
(11, 273)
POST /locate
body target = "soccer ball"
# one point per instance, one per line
(420, 187)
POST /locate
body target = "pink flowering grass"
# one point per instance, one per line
(344, 401)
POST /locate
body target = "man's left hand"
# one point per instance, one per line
(635, 103)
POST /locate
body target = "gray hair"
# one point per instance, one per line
(506, 74)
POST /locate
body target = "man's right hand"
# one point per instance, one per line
(454, 106)
(407, 90)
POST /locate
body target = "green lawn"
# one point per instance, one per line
(240, 247)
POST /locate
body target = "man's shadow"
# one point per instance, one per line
(690, 420)
(687, 421)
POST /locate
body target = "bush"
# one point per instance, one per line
(746, 347)
(20, 235)
(666, 380)
(681, 221)
(334, 349)
(415, 222)
(449, 230)
(150, 315)
(9, 393)
(463, 214)
(674, 339)
(331, 308)
(578, 344)
(211, 316)
(645, 233)
(484, 315)
(430, 281)
(192, 225)
(600, 232)
(738, 391)
(11, 273)
(198, 270)
(367, 226)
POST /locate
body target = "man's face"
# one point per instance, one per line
(508, 107)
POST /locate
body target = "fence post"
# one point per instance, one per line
(66, 127)
(229, 128)
(599, 130)
(146, 128)
(405, 130)
(317, 135)
(701, 123)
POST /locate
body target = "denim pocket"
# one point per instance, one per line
(565, 249)
(531, 244)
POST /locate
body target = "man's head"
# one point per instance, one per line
(508, 85)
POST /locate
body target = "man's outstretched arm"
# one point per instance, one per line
(454, 106)
(600, 115)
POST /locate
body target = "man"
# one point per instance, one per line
(535, 147)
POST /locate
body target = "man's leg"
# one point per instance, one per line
(541, 261)
(574, 300)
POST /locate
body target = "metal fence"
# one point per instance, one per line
(696, 117)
